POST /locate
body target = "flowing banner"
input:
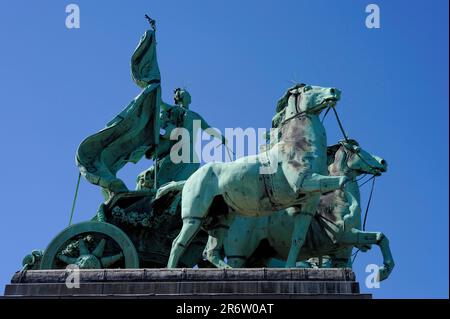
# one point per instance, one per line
(132, 133)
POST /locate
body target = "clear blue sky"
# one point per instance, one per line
(58, 86)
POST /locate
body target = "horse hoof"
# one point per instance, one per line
(224, 265)
(220, 264)
(383, 273)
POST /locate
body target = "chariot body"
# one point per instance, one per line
(131, 230)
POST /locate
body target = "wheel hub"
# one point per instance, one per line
(88, 262)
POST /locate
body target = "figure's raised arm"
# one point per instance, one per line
(210, 130)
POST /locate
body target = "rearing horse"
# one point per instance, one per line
(292, 173)
(334, 231)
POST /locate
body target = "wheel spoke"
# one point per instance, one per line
(82, 247)
(98, 251)
(108, 261)
(68, 260)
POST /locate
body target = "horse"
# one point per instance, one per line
(335, 229)
(291, 173)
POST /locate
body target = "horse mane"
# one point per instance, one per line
(332, 149)
(283, 101)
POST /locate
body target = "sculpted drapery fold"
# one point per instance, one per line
(132, 133)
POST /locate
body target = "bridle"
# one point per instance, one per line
(299, 113)
(355, 152)
(296, 115)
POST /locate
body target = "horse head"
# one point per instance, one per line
(348, 158)
(306, 99)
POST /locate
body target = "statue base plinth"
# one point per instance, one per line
(295, 283)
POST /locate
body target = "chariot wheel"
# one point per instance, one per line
(90, 245)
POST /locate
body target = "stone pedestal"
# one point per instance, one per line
(240, 283)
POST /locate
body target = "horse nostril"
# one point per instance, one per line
(384, 164)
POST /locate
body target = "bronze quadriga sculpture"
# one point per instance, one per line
(298, 195)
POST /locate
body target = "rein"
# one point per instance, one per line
(368, 203)
(340, 124)
(355, 254)
(326, 113)
(74, 199)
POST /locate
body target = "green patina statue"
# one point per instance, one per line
(172, 119)
(298, 195)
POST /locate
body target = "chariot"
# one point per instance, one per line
(132, 229)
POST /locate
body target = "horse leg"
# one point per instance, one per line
(196, 199)
(237, 248)
(191, 227)
(243, 238)
(322, 183)
(302, 221)
(217, 235)
(357, 237)
(236, 261)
